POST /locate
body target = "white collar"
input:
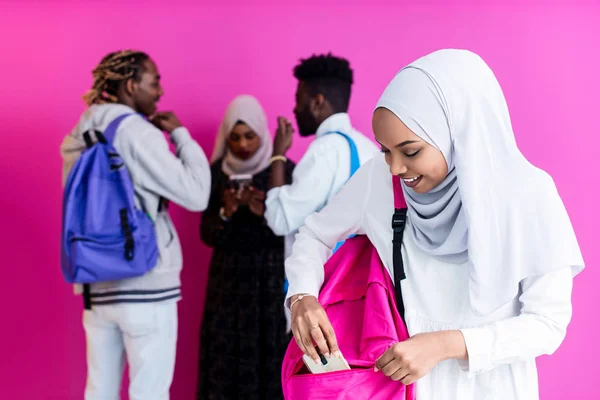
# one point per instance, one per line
(336, 122)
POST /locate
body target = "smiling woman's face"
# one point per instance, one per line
(421, 166)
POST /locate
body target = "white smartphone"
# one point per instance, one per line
(331, 364)
(240, 182)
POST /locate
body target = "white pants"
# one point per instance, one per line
(145, 334)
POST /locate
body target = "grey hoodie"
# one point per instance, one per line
(156, 173)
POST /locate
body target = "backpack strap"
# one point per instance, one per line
(89, 142)
(354, 158)
(354, 166)
(398, 225)
(111, 130)
(87, 298)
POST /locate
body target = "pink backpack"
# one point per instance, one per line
(360, 300)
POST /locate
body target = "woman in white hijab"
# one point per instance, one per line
(244, 328)
(489, 249)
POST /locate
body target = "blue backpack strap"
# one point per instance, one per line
(354, 158)
(111, 129)
(354, 166)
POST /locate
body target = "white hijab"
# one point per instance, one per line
(246, 109)
(494, 209)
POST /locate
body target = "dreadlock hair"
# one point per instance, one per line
(114, 69)
(327, 75)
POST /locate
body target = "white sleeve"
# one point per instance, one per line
(315, 241)
(183, 178)
(539, 329)
(287, 207)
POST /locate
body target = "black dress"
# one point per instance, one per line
(243, 337)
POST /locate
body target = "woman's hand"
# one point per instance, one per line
(412, 359)
(310, 325)
(230, 203)
(256, 201)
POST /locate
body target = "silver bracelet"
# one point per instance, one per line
(299, 298)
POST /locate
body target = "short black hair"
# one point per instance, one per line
(327, 75)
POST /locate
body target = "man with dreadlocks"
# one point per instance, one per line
(137, 317)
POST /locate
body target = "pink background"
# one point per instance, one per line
(546, 58)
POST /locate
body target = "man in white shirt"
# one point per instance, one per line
(322, 99)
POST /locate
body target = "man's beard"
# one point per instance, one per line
(307, 123)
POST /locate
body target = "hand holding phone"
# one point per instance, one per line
(256, 201)
(240, 183)
(230, 203)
